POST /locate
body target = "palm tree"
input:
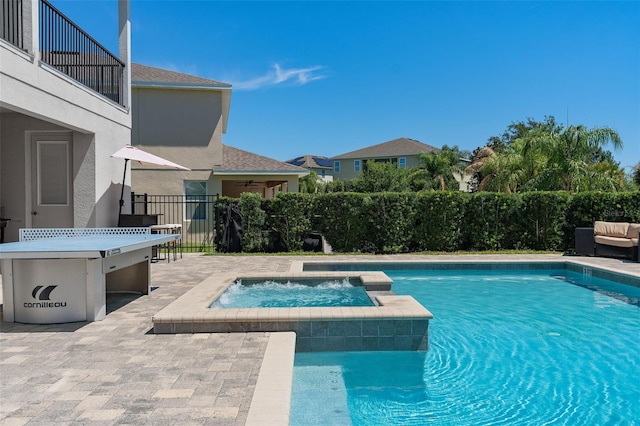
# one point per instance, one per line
(571, 156)
(480, 158)
(550, 158)
(513, 170)
(440, 168)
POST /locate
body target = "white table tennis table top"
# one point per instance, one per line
(95, 246)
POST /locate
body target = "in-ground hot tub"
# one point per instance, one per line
(294, 293)
(392, 323)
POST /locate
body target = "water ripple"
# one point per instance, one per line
(524, 351)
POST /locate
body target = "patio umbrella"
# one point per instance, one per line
(132, 153)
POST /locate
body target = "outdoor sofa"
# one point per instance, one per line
(616, 239)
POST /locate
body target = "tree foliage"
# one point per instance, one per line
(381, 177)
(311, 183)
(544, 156)
(437, 169)
(636, 175)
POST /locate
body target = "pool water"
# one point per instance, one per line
(271, 294)
(533, 348)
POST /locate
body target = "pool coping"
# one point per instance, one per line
(271, 402)
(574, 264)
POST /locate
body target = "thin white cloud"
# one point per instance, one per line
(278, 75)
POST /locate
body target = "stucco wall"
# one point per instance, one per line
(184, 126)
(43, 92)
(166, 181)
(347, 172)
(44, 100)
(13, 142)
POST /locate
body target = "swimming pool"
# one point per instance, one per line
(550, 345)
(293, 293)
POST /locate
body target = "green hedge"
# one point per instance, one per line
(438, 223)
(428, 221)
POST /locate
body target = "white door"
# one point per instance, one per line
(51, 188)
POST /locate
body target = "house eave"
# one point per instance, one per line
(194, 86)
(355, 157)
(259, 172)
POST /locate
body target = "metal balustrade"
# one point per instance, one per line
(69, 49)
(11, 22)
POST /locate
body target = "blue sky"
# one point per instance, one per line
(325, 78)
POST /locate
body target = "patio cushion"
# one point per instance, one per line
(633, 230)
(614, 241)
(611, 229)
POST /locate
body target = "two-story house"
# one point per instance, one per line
(64, 109)
(403, 152)
(182, 118)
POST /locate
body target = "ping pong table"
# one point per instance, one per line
(62, 275)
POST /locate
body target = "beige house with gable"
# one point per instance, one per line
(402, 151)
(182, 118)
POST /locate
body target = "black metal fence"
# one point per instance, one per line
(69, 49)
(197, 215)
(11, 22)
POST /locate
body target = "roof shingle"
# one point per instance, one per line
(393, 148)
(311, 161)
(238, 160)
(148, 75)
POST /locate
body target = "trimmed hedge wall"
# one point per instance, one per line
(428, 221)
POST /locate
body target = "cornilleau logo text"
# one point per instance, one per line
(44, 295)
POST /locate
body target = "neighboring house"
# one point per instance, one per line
(323, 166)
(63, 112)
(403, 152)
(182, 118)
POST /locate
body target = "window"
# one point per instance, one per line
(402, 162)
(195, 197)
(336, 167)
(324, 173)
(356, 165)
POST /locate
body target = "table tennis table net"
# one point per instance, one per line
(30, 234)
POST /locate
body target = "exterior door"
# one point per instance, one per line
(51, 178)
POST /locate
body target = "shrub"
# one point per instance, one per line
(399, 222)
(288, 218)
(253, 223)
(438, 221)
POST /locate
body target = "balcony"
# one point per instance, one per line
(11, 22)
(66, 47)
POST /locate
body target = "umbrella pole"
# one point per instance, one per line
(124, 175)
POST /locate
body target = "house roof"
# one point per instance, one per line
(311, 162)
(393, 148)
(144, 76)
(238, 161)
